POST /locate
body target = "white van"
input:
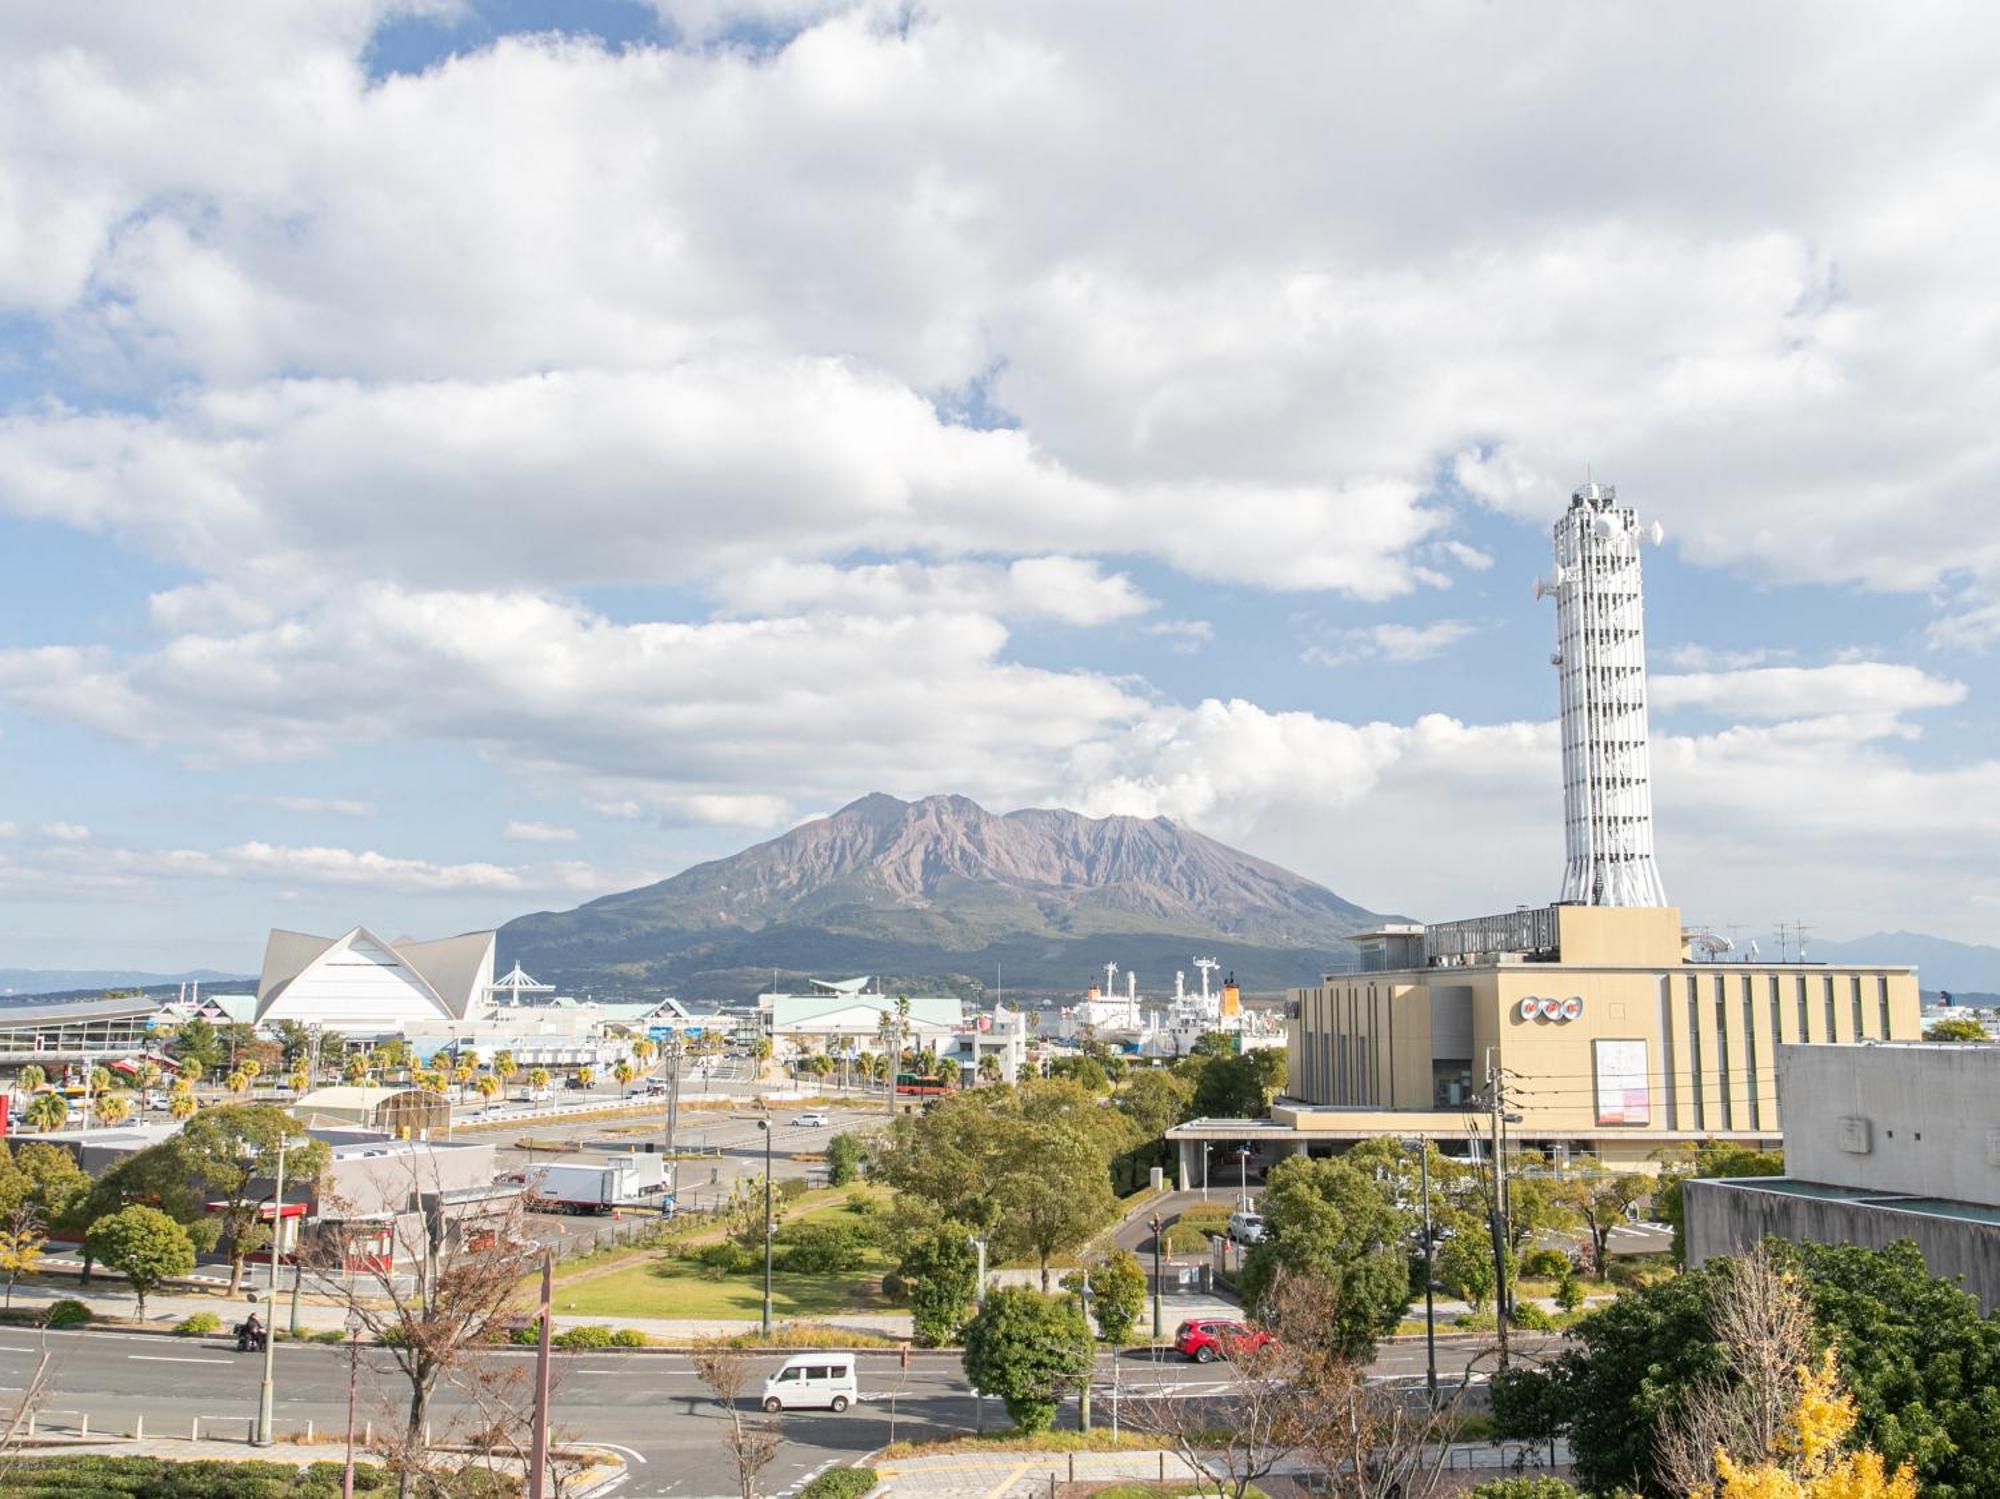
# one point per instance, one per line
(813, 1380)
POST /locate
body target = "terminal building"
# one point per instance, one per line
(1597, 1023)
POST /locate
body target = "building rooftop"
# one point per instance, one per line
(1929, 1207)
(73, 1011)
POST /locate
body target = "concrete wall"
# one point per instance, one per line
(1920, 1120)
(1726, 1218)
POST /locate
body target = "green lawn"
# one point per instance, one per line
(668, 1288)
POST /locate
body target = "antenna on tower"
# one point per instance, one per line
(1110, 971)
(1205, 965)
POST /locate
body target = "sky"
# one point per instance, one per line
(461, 459)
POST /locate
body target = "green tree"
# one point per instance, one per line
(1465, 1261)
(1922, 1364)
(941, 1269)
(196, 1042)
(843, 1160)
(20, 1253)
(294, 1043)
(233, 1152)
(1118, 1287)
(1712, 1160)
(1030, 1350)
(55, 1184)
(1053, 1191)
(144, 1245)
(1959, 1028)
(1329, 1219)
(47, 1111)
(1599, 1201)
(1155, 1100)
(1240, 1087)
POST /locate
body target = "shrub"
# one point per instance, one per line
(1524, 1488)
(68, 1312)
(330, 1335)
(1545, 1264)
(526, 1337)
(1533, 1318)
(840, 1483)
(1570, 1293)
(843, 1161)
(592, 1336)
(820, 1248)
(200, 1322)
(628, 1337)
(791, 1189)
(725, 1258)
(860, 1202)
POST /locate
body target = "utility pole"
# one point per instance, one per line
(264, 1398)
(1159, 1228)
(1496, 1203)
(673, 1117)
(538, 1450)
(1430, 1274)
(765, 1125)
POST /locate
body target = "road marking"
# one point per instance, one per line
(637, 1457)
(160, 1358)
(16, 1350)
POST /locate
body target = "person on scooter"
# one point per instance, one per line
(250, 1336)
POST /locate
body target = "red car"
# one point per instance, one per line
(1206, 1339)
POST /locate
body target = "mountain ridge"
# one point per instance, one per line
(940, 888)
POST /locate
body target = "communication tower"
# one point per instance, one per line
(1600, 661)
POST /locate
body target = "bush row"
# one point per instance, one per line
(840, 1483)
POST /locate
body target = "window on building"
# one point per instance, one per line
(1805, 1010)
(1667, 1050)
(1451, 1082)
(1722, 1053)
(1882, 1001)
(1854, 995)
(1826, 983)
(1753, 1092)
(1694, 1054)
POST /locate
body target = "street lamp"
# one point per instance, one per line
(1423, 1148)
(264, 1395)
(765, 1125)
(1159, 1229)
(353, 1370)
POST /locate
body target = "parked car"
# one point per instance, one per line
(821, 1380)
(1247, 1228)
(1205, 1339)
(811, 1121)
(540, 1095)
(655, 1087)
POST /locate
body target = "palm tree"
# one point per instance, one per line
(642, 1051)
(101, 1080)
(48, 1111)
(624, 1071)
(250, 1067)
(181, 1104)
(468, 1058)
(301, 1078)
(238, 1081)
(149, 1075)
(760, 1053)
(487, 1085)
(113, 1108)
(585, 1076)
(32, 1079)
(989, 1068)
(355, 1068)
(538, 1078)
(504, 1067)
(430, 1079)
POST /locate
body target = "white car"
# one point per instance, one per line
(823, 1381)
(1246, 1228)
(811, 1121)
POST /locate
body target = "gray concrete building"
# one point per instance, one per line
(1883, 1141)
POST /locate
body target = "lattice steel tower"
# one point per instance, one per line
(1600, 660)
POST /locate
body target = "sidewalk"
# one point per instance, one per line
(607, 1467)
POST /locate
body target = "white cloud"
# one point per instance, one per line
(331, 806)
(1068, 590)
(1787, 692)
(1389, 641)
(1183, 636)
(66, 832)
(1692, 657)
(538, 832)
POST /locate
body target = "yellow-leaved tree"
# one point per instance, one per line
(1811, 1462)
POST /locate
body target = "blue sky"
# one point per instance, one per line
(460, 459)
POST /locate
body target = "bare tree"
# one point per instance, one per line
(752, 1442)
(1231, 1439)
(1759, 1312)
(34, 1395)
(435, 1304)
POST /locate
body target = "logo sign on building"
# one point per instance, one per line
(1533, 1007)
(1623, 1093)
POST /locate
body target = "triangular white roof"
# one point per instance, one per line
(357, 980)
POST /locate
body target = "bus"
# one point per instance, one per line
(918, 1085)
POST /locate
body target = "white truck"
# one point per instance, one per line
(595, 1184)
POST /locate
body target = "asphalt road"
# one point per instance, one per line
(649, 1406)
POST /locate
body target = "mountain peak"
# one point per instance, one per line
(932, 886)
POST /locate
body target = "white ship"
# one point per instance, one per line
(1170, 1030)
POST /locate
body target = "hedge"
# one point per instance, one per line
(68, 1312)
(840, 1483)
(200, 1322)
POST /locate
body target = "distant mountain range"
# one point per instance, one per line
(36, 981)
(942, 892)
(1960, 967)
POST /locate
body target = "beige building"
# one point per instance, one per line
(1609, 1040)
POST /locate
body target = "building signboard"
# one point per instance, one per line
(1623, 1094)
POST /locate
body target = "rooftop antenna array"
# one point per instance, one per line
(1206, 965)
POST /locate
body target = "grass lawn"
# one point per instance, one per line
(670, 1288)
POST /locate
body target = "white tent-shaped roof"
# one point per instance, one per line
(359, 982)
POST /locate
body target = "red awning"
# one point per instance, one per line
(264, 1211)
